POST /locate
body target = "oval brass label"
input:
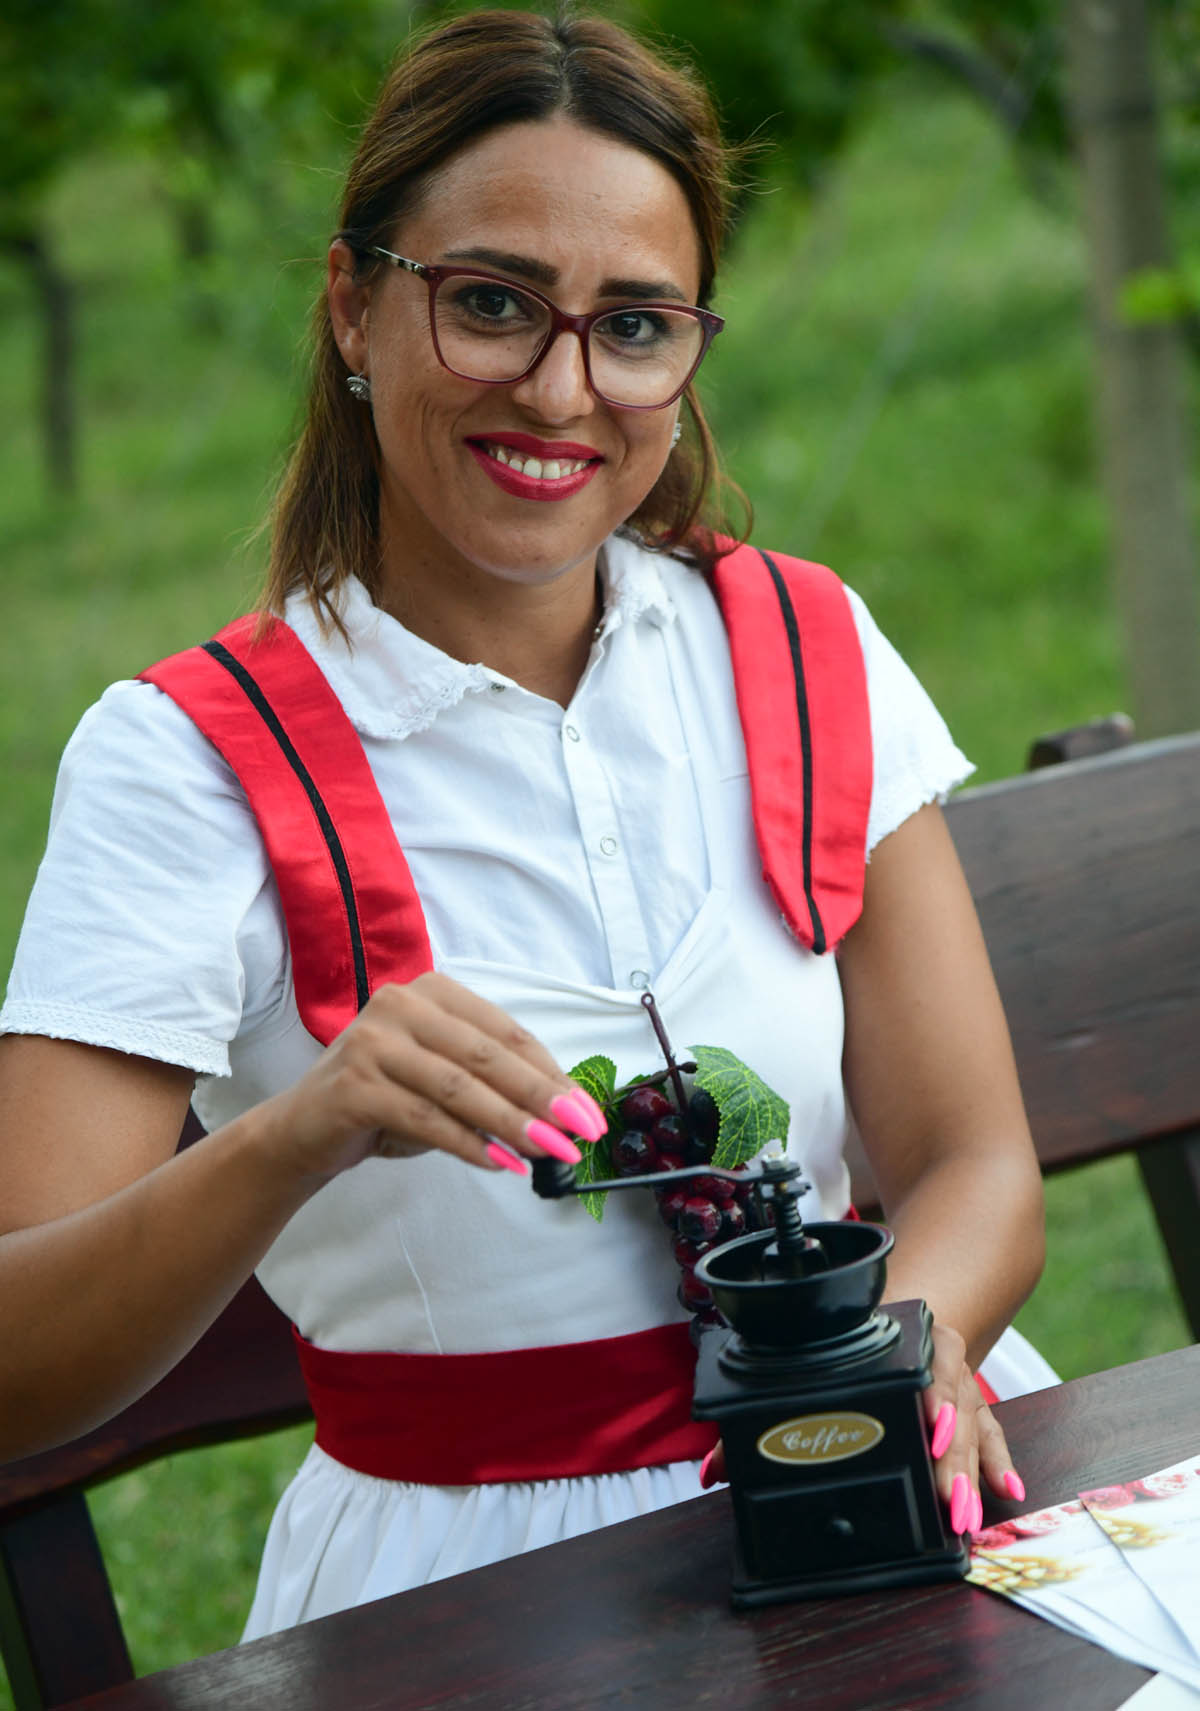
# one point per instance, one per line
(821, 1438)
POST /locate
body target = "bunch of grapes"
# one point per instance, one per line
(652, 1134)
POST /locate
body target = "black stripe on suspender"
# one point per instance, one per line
(793, 636)
(337, 854)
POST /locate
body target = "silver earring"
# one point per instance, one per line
(676, 434)
(360, 387)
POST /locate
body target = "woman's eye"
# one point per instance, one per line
(633, 327)
(492, 303)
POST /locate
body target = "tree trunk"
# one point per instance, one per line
(1140, 371)
(55, 301)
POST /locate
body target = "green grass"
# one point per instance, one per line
(903, 388)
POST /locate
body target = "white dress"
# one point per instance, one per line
(566, 859)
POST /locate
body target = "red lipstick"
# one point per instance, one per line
(523, 486)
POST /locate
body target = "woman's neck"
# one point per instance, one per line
(540, 635)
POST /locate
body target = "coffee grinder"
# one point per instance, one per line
(817, 1396)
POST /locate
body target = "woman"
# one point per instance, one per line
(488, 543)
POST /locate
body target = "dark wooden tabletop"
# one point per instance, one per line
(638, 1616)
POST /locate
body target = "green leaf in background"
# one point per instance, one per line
(598, 1076)
(751, 1112)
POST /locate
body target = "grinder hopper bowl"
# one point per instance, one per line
(817, 1396)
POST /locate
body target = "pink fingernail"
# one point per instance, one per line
(706, 1478)
(975, 1519)
(589, 1104)
(960, 1503)
(551, 1141)
(569, 1110)
(1014, 1485)
(943, 1430)
(506, 1160)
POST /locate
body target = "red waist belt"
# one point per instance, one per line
(550, 1413)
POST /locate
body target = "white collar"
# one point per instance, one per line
(392, 683)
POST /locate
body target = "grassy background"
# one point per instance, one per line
(903, 388)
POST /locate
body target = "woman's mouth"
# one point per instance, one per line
(552, 471)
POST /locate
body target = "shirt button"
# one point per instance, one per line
(640, 980)
(608, 846)
(571, 732)
(498, 688)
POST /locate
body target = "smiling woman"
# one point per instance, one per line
(515, 736)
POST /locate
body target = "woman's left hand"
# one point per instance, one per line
(966, 1439)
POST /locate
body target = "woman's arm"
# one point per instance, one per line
(931, 1080)
(116, 1254)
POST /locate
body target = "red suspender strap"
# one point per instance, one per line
(802, 695)
(353, 917)
(600, 1407)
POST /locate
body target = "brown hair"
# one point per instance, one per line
(465, 78)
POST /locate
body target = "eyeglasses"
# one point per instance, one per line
(640, 356)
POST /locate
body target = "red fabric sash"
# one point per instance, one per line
(802, 694)
(521, 1414)
(353, 917)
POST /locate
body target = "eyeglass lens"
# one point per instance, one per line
(487, 330)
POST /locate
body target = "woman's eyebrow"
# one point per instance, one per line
(541, 273)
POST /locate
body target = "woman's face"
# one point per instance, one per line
(589, 222)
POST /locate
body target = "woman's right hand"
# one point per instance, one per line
(430, 1065)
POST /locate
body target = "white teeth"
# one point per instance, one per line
(550, 469)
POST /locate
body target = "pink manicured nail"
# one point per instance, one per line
(589, 1104)
(943, 1430)
(506, 1160)
(706, 1478)
(960, 1503)
(975, 1519)
(569, 1110)
(1014, 1485)
(547, 1137)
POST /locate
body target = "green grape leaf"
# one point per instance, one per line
(751, 1112)
(598, 1075)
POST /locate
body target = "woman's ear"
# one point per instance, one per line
(348, 303)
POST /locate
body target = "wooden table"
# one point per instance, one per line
(637, 1615)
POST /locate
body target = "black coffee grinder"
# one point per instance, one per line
(817, 1395)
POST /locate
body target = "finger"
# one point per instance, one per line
(496, 1061)
(459, 1001)
(995, 1459)
(712, 1468)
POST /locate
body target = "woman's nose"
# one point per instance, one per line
(558, 389)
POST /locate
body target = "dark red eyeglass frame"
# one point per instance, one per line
(560, 322)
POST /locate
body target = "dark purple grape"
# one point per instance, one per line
(713, 1188)
(703, 1122)
(699, 1220)
(670, 1137)
(634, 1154)
(670, 1206)
(642, 1108)
(687, 1253)
(693, 1294)
(733, 1222)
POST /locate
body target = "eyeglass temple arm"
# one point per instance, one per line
(400, 261)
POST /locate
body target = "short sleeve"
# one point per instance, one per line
(916, 758)
(153, 926)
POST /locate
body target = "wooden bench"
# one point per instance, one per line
(1086, 878)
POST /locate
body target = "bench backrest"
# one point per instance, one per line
(1085, 877)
